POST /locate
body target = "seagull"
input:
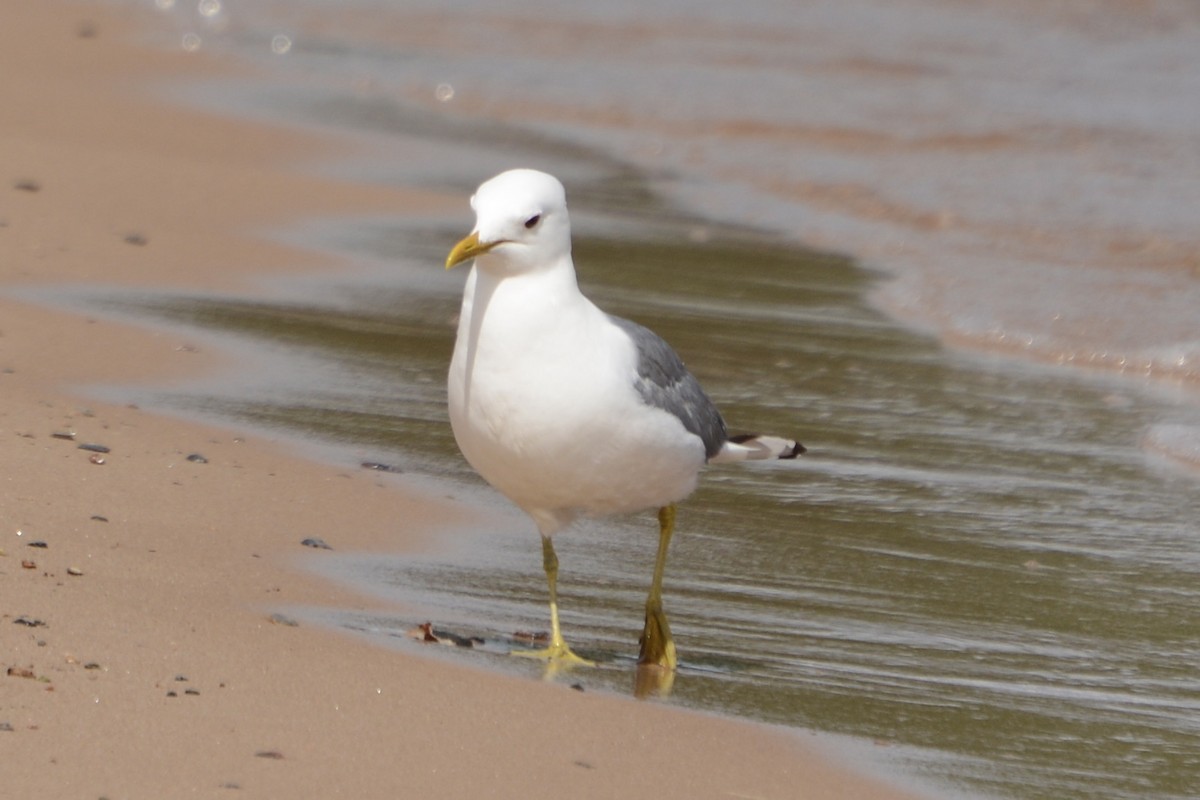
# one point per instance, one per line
(568, 411)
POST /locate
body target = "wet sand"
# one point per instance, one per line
(141, 654)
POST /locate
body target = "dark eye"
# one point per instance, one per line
(533, 221)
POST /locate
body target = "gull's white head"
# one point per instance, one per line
(521, 224)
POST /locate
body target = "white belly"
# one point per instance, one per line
(546, 411)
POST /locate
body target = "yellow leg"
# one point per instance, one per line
(657, 646)
(557, 651)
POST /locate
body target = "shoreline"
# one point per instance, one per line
(159, 667)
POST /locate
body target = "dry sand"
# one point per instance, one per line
(157, 671)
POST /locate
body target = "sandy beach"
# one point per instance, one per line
(137, 586)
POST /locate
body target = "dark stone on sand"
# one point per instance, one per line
(95, 448)
(196, 458)
(317, 543)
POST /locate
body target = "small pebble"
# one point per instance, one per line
(172, 693)
(95, 448)
(21, 672)
(91, 665)
(135, 239)
(97, 459)
(193, 692)
(29, 622)
(26, 564)
(317, 543)
(98, 518)
(38, 543)
(68, 435)
(27, 185)
(196, 458)
(6, 727)
(275, 754)
(76, 571)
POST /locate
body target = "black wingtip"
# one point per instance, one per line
(797, 449)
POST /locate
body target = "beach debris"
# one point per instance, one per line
(425, 632)
(97, 459)
(529, 637)
(6, 727)
(99, 518)
(95, 448)
(68, 435)
(283, 619)
(196, 458)
(27, 564)
(92, 665)
(192, 692)
(21, 672)
(75, 571)
(27, 185)
(272, 754)
(379, 466)
(29, 622)
(313, 541)
(172, 693)
(37, 543)
(136, 239)
(86, 30)
(181, 678)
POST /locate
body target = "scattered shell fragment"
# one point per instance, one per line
(196, 458)
(273, 754)
(21, 672)
(37, 543)
(379, 466)
(95, 448)
(99, 518)
(68, 435)
(76, 571)
(27, 185)
(27, 564)
(312, 541)
(97, 459)
(29, 622)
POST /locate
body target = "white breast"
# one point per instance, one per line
(543, 406)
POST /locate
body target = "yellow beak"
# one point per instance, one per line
(466, 249)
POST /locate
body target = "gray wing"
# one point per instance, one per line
(664, 382)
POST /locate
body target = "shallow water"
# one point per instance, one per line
(980, 560)
(975, 557)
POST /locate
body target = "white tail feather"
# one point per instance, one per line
(756, 448)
